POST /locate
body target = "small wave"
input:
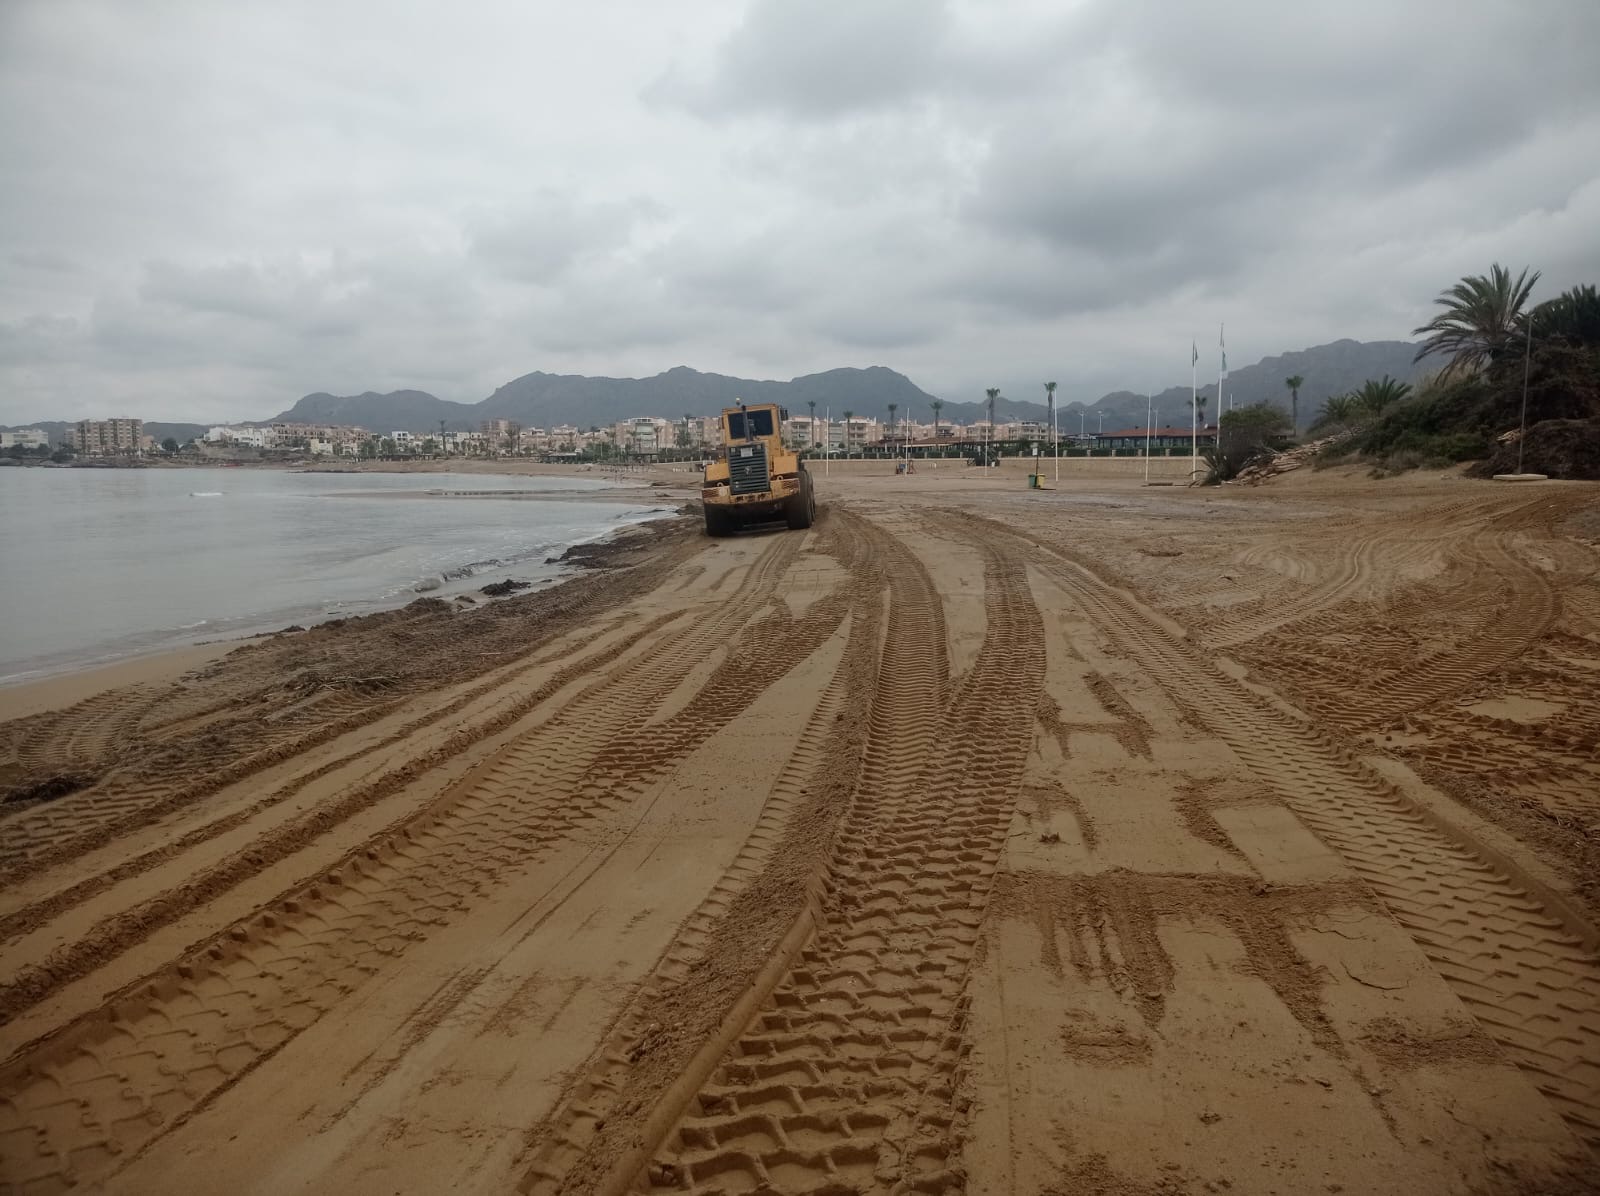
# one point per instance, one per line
(205, 494)
(471, 569)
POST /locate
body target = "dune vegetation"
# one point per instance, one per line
(1494, 349)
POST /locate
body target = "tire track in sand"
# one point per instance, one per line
(1357, 553)
(845, 1080)
(98, 1092)
(272, 721)
(125, 929)
(26, 918)
(734, 950)
(1517, 956)
(1530, 610)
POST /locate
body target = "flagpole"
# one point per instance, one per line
(827, 444)
(1527, 364)
(1149, 425)
(1194, 410)
(1222, 370)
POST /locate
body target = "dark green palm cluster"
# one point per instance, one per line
(1498, 350)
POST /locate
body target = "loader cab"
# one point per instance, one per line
(745, 424)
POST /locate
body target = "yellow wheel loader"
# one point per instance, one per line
(754, 478)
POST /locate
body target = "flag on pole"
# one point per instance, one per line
(1194, 353)
(1222, 341)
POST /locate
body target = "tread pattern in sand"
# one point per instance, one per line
(847, 1075)
(145, 751)
(1519, 965)
(106, 1086)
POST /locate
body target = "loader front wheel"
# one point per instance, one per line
(802, 508)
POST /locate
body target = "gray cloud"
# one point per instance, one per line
(819, 60)
(208, 211)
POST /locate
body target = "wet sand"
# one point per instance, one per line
(1106, 839)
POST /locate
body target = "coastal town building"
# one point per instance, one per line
(565, 438)
(1163, 438)
(856, 433)
(500, 435)
(243, 434)
(804, 432)
(644, 435)
(318, 439)
(107, 437)
(640, 436)
(341, 436)
(24, 438)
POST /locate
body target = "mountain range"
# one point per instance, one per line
(544, 400)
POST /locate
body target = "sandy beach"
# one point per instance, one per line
(1106, 839)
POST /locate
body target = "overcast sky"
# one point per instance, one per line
(210, 209)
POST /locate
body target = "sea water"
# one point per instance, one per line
(99, 564)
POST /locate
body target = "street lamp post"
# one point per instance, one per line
(1055, 442)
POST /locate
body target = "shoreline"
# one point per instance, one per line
(640, 474)
(29, 695)
(139, 664)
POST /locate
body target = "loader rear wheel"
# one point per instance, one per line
(802, 508)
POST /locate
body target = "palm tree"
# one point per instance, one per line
(1374, 397)
(1342, 410)
(1482, 317)
(812, 403)
(1573, 315)
(1200, 401)
(1050, 409)
(938, 405)
(847, 415)
(1294, 382)
(893, 407)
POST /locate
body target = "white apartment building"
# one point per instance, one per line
(27, 438)
(645, 435)
(250, 437)
(805, 432)
(855, 433)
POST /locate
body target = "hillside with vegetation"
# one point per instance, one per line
(1493, 352)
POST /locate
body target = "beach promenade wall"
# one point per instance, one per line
(1164, 469)
(1077, 469)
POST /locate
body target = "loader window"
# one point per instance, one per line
(759, 424)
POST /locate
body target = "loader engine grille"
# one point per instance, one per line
(747, 469)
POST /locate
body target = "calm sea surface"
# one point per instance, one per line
(97, 564)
